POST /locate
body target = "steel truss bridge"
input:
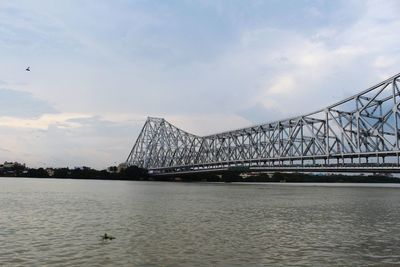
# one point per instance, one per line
(358, 134)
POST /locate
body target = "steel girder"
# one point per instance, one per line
(361, 131)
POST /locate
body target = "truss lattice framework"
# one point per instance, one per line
(361, 131)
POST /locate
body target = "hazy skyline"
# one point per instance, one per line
(99, 68)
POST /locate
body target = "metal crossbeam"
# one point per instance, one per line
(360, 132)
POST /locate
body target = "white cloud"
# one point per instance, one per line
(324, 68)
(61, 120)
(68, 140)
(283, 85)
(205, 124)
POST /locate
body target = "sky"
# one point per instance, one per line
(99, 68)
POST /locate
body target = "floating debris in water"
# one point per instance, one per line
(107, 237)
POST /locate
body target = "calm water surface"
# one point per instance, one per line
(45, 222)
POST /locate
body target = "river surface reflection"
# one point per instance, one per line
(49, 222)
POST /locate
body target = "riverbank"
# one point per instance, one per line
(137, 174)
(232, 177)
(134, 173)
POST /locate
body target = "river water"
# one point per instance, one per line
(49, 222)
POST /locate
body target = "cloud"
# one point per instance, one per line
(60, 120)
(258, 114)
(283, 85)
(22, 104)
(322, 68)
(68, 140)
(206, 124)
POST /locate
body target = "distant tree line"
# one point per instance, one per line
(112, 173)
(15, 169)
(129, 173)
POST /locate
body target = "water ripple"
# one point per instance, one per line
(48, 222)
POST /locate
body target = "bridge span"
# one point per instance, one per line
(357, 134)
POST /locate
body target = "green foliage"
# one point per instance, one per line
(61, 172)
(134, 172)
(130, 173)
(42, 173)
(235, 175)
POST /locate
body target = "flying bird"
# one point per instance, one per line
(28, 69)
